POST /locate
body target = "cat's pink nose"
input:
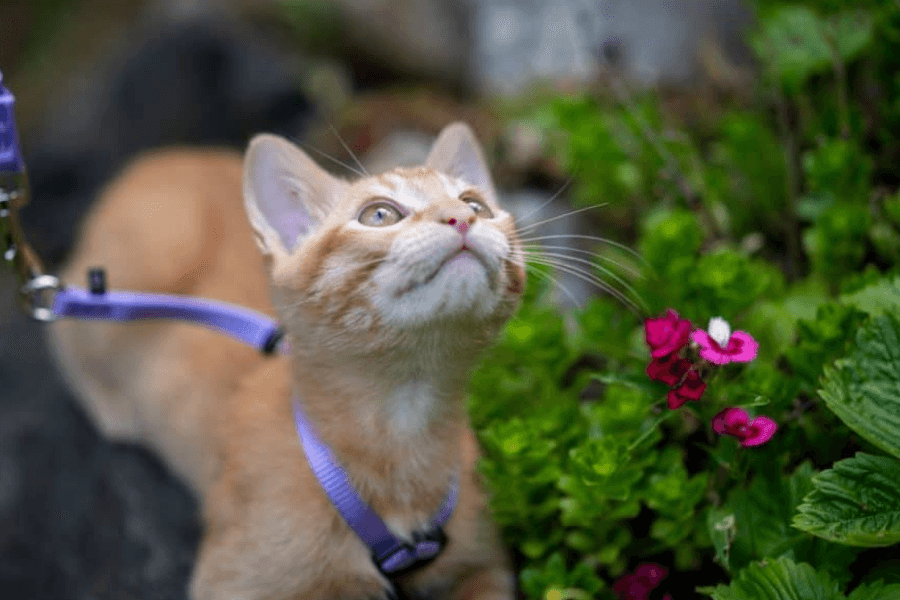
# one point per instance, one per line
(461, 226)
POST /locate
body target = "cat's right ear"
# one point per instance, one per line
(286, 194)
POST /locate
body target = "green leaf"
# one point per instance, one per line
(722, 528)
(876, 591)
(762, 526)
(793, 41)
(864, 388)
(781, 579)
(877, 299)
(851, 31)
(856, 503)
(798, 43)
(887, 571)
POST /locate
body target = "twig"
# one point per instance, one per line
(791, 180)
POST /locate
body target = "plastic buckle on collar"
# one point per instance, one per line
(425, 547)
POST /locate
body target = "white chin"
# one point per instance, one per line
(462, 288)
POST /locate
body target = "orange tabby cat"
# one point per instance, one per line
(388, 288)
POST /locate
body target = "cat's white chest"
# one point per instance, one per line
(411, 407)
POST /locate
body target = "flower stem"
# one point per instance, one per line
(649, 431)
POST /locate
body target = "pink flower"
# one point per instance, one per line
(667, 335)
(721, 346)
(638, 585)
(691, 388)
(736, 422)
(668, 369)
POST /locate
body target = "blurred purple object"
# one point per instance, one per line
(10, 157)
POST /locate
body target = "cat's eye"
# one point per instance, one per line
(477, 204)
(379, 214)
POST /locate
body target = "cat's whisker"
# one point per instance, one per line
(551, 199)
(624, 284)
(531, 269)
(551, 219)
(562, 258)
(329, 157)
(559, 260)
(593, 238)
(540, 249)
(593, 279)
(346, 147)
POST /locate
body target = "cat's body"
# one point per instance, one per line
(384, 320)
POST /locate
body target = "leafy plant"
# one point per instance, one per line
(782, 215)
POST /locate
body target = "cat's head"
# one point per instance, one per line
(387, 257)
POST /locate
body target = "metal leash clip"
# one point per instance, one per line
(37, 289)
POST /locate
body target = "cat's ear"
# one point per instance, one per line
(457, 152)
(286, 194)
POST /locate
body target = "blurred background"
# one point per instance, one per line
(647, 105)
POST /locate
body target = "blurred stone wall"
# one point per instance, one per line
(501, 46)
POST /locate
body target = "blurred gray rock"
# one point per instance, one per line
(570, 41)
(503, 46)
(424, 37)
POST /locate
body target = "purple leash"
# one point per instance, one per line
(248, 326)
(390, 554)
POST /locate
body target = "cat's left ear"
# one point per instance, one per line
(457, 152)
(286, 194)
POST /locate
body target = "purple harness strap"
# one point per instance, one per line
(391, 555)
(248, 326)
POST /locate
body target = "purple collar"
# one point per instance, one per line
(391, 555)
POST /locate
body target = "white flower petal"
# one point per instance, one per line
(719, 331)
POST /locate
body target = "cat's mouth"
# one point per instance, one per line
(462, 253)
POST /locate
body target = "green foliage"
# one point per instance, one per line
(862, 388)
(838, 170)
(833, 244)
(784, 579)
(554, 580)
(780, 579)
(875, 591)
(856, 502)
(796, 42)
(746, 167)
(822, 340)
(762, 526)
(882, 296)
(781, 215)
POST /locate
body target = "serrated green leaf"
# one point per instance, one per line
(762, 526)
(876, 591)
(781, 579)
(856, 503)
(864, 388)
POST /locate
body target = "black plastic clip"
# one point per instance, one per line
(272, 343)
(97, 280)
